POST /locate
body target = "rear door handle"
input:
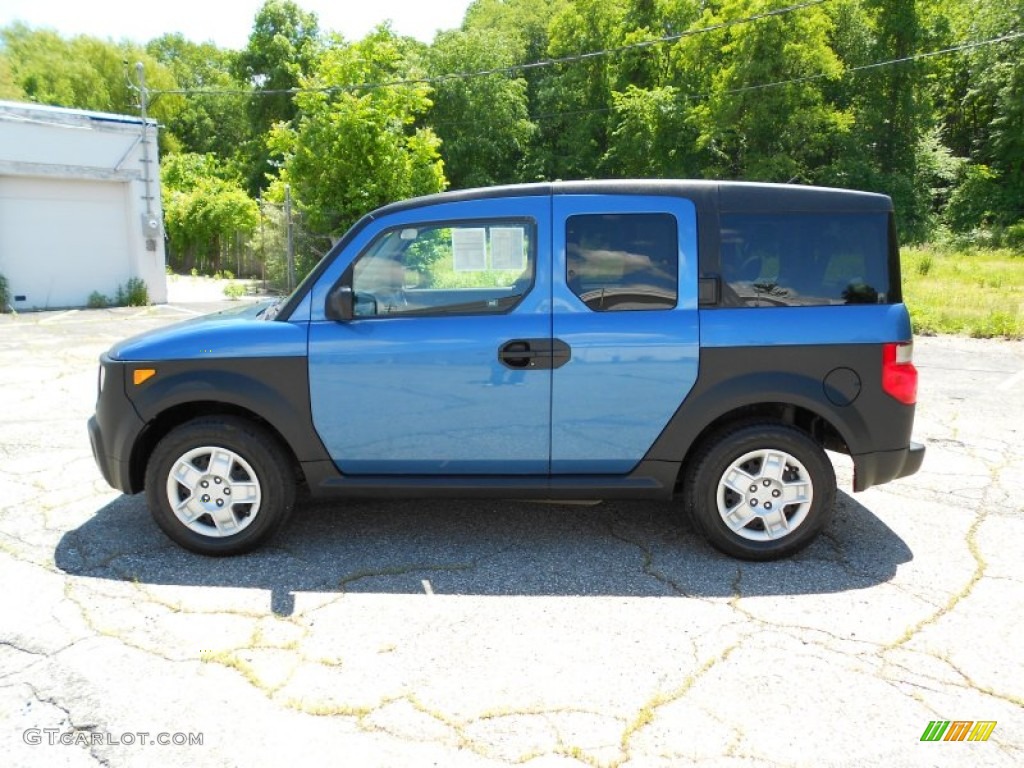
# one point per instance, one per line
(534, 354)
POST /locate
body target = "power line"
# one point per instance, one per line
(498, 70)
(793, 81)
(864, 67)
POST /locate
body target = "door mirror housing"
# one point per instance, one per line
(340, 304)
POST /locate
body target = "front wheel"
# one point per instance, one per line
(219, 485)
(761, 491)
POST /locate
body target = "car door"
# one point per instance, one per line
(442, 366)
(624, 301)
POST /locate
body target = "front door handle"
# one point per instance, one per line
(534, 354)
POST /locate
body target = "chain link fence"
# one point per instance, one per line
(262, 257)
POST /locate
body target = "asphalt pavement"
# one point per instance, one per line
(495, 633)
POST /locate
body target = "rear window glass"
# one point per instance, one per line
(628, 261)
(805, 259)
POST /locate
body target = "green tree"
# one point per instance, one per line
(764, 116)
(203, 210)
(521, 23)
(204, 122)
(980, 98)
(355, 144)
(574, 98)
(649, 135)
(482, 121)
(9, 89)
(892, 119)
(84, 72)
(283, 48)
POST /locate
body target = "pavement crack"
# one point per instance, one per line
(646, 714)
(980, 566)
(647, 557)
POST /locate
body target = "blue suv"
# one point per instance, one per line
(705, 341)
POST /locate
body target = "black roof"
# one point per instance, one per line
(732, 196)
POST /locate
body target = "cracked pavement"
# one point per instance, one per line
(492, 633)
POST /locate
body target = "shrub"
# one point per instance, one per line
(133, 293)
(234, 291)
(5, 296)
(98, 301)
(1013, 237)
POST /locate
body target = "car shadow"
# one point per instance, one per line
(485, 547)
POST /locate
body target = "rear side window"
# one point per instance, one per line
(628, 261)
(805, 259)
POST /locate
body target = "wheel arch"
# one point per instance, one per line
(272, 392)
(807, 420)
(784, 398)
(182, 413)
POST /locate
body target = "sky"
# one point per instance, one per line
(226, 22)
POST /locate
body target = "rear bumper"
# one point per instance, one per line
(883, 466)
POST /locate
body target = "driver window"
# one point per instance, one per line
(451, 268)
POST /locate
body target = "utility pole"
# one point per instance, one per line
(151, 227)
(147, 174)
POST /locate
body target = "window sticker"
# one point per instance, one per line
(469, 249)
(507, 248)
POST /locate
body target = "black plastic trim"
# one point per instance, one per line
(534, 354)
(114, 428)
(274, 389)
(650, 480)
(881, 467)
(738, 382)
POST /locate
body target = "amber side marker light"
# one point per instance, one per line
(140, 375)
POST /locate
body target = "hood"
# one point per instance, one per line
(242, 331)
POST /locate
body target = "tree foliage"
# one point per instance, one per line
(83, 72)
(482, 122)
(284, 47)
(203, 209)
(353, 147)
(203, 123)
(9, 89)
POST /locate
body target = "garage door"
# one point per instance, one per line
(60, 240)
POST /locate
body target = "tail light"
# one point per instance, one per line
(899, 376)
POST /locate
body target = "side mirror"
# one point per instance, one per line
(340, 304)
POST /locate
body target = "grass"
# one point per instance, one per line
(976, 292)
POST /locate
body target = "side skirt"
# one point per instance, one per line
(650, 480)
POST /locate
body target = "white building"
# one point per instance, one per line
(79, 206)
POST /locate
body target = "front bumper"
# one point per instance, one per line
(115, 471)
(114, 431)
(883, 466)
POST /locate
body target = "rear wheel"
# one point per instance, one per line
(219, 485)
(761, 491)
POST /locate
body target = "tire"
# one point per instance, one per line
(738, 479)
(219, 485)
